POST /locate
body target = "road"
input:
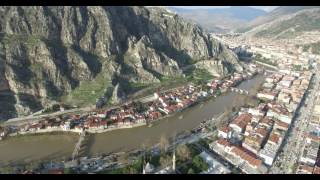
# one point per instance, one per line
(32, 118)
(295, 141)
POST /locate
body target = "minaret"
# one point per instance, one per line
(144, 170)
(174, 161)
(144, 164)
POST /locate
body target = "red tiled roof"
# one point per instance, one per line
(103, 123)
(223, 142)
(262, 131)
(313, 137)
(274, 138)
(316, 170)
(282, 124)
(306, 168)
(225, 129)
(55, 171)
(246, 156)
(267, 120)
(242, 120)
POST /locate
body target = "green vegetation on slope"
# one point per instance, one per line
(88, 91)
(198, 75)
(13, 38)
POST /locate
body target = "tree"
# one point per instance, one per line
(7, 170)
(165, 160)
(32, 166)
(199, 163)
(203, 143)
(69, 171)
(164, 143)
(234, 170)
(183, 152)
(140, 107)
(190, 171)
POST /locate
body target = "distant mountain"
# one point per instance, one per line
(287, 23)
(273, 15)
(220, 20)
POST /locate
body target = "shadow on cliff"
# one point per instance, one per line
(90, 59)
(138, 26)
(7, 108)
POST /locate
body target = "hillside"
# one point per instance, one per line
(289, 26)
(220, 20)
(273, 15)
(77, 55)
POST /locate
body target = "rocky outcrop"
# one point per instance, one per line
(49, 52)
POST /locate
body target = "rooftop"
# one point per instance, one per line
(246, 156)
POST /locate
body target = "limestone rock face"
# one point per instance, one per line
(51, 52)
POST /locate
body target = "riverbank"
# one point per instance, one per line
(123, 118)
(124, 140)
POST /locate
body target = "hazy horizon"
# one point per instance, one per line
(265, 8)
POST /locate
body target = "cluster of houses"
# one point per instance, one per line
(253, 138)
(309, 161)
(285, 53)
(128, 115)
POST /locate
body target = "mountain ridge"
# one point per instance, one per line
(289, 25)
(272, 15)
(220, 19)
(80, 54)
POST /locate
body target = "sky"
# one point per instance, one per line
(265, 8)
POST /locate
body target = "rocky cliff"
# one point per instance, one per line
(50, 54)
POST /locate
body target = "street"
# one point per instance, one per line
(295, 141)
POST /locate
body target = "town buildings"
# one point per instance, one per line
(265, 126)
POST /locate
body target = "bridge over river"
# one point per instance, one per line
(78, 145)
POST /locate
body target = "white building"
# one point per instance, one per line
(214, 167)
(265, 95)
(225, 132)
(268, 153)
(310, 152)
(256, 112)
(282, 117)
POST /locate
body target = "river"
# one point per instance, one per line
(30, 148)
(46, 146)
